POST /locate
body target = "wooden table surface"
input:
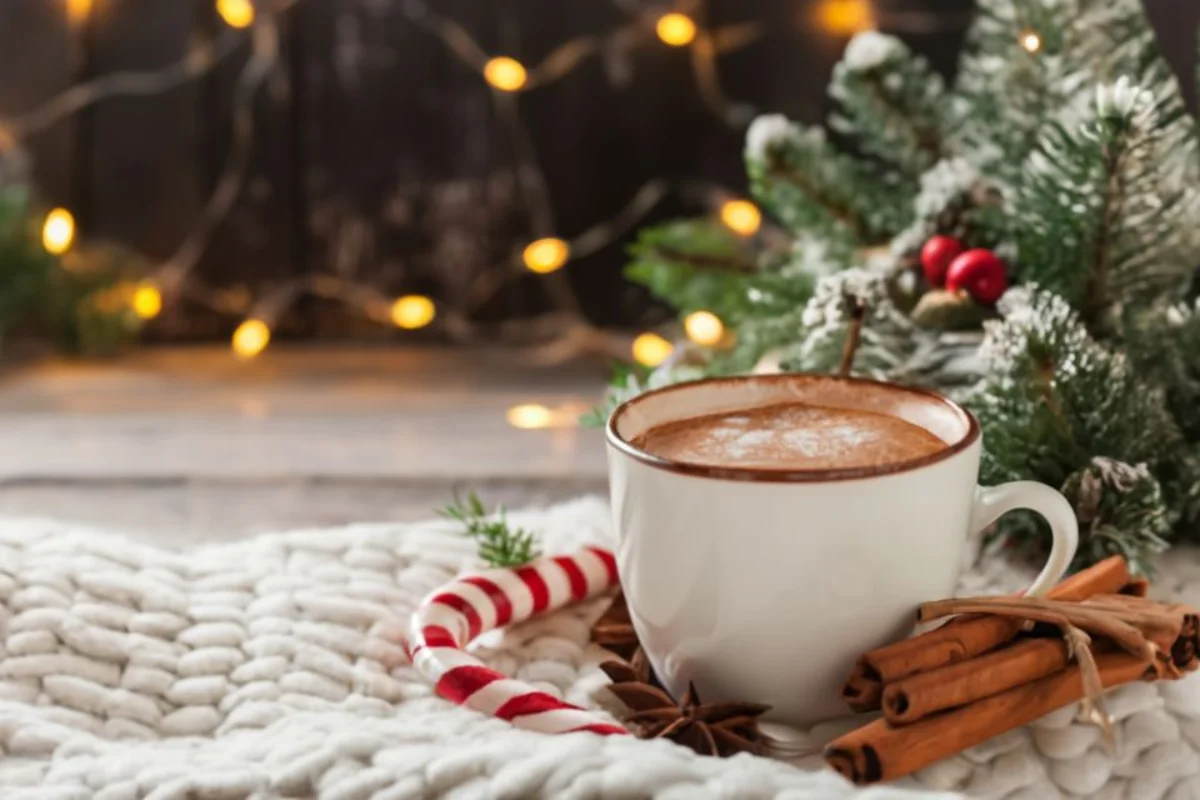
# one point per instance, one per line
(189, 442)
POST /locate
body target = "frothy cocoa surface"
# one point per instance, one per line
(790, 436)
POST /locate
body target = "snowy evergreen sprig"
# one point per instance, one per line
(1052, 399)
(890, 102)
(888, 338)
(1005, 93)
(955, 199)
(812, 188)
(1164, 344)
(1121, 511)
(1098, 220)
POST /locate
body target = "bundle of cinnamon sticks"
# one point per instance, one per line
(1004, 662)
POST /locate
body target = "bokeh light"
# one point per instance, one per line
(741, 216)
(704, 327)
(505, 74)
(413, 311)
(650, 349)
(251, 338)
(58, 231)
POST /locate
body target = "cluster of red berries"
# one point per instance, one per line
(979, 273)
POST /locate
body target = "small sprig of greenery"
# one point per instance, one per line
(627, 381)
(500, 544)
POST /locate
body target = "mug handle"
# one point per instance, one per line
(992, 502)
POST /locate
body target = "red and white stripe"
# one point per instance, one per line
(452, 616)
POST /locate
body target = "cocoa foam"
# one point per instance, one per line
(790, 436)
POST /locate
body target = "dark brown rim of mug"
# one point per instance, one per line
(776, 475)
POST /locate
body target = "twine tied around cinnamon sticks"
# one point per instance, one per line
(997, 666)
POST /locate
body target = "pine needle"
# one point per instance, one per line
(500, 544)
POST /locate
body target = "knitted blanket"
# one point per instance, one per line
(271, 668)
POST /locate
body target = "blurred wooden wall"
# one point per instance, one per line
(378, 155)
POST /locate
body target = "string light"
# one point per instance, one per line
(650, 349)
(413, 311)
(236, 13)
(147, 301)
(704, 327)
(58, 231)
(251, 338)
(535, 416)
(845, 17)
(530, 416)
(1031, 42)
(741, 217)
(504, 73)
(675, 29)
(546, 255)
(78, 10)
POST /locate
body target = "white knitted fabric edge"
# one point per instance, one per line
(270, 668)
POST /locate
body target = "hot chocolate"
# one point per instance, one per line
(790, 436)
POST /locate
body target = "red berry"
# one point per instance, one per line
(936, 256)
(979, 273)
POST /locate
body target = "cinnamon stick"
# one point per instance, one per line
(917, 696)
(1185, 650)
(880, 751)
(1138, 587)
(1166, 626)
(964, 638)
(1152, 631)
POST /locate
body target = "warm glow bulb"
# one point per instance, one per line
(675, 29)
(505, 74)
(58, 231)
(1031, 42)
(704, 327)
(251, 338)
(79, 9)
(236, 13)
(546, 255)
(413, 311)
(530, 416)
(147, 301)
(741, 217)
(650, 349)
(845, 17)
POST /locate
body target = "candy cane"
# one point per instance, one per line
(447, 620)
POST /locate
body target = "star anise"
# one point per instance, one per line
(614, 630)
(711, 729)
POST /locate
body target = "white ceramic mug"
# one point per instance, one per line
(764, 584)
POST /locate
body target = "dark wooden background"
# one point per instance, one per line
(378, 156)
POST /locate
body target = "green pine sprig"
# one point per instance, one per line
(500, 545)
(891, 103)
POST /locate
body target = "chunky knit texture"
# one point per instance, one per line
(272, 668)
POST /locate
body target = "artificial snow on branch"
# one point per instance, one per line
(812, 187)
(1099, 222)
(890, 102)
